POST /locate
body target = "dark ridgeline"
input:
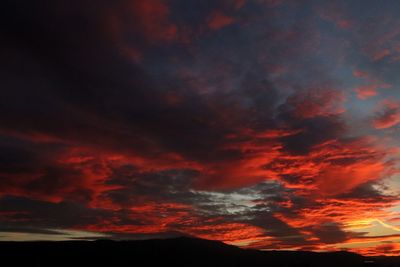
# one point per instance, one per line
(171, 252)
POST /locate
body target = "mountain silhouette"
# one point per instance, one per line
(182, 251)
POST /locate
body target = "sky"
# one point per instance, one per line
(266, 124)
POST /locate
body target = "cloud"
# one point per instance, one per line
(218, 21)
(388, 117)
(369, 89)
(224, 120)
(335, 13)
(330, 233)
(315, 102)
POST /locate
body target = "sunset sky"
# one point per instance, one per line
(267, 124)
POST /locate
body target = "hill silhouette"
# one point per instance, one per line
(183, 251)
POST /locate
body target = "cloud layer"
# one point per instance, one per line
(265, 124)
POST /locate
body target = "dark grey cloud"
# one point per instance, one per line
(330, 233)
(41, 214)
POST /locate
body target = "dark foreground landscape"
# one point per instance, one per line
(171, 252)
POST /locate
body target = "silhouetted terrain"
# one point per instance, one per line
(170, 252)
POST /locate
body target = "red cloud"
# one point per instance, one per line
(332, 168)
(219, 20)
(148, 20)
(391, 249)
(239, 3)
(384, 45)
(152, 17)
(334, 13)
(337, 167)
(389, 117)
(360, 74)
(154, 217)
(317, 102)
(336, 179)
(371, 88)
(364, 92)
(228, 232)
(380, 54)
(158, 217)
(78, 173)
